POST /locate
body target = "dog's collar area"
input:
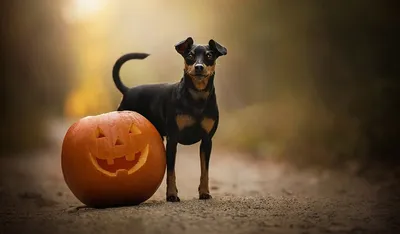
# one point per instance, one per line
(202, 96)
(199, 92)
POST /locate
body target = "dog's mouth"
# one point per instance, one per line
(198, 76)
(126, 164)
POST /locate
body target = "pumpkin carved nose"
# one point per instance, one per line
(118, 142)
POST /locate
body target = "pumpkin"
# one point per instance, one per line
(113, 159)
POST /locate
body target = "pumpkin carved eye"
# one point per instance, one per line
(134, 130)
(99, 133)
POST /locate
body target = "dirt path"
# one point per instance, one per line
(249, 197)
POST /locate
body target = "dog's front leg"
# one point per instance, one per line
(172, 191)
(205, 153)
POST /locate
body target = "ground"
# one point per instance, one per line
(249, 197)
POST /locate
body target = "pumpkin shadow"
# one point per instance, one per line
(85, 208)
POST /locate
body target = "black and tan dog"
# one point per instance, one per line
(185, 112)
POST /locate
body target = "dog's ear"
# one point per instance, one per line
(184, 46)
(217, 48)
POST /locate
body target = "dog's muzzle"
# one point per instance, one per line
(199, 68)
(199, 71)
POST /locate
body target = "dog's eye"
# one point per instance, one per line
(209, 55)
(190, 56)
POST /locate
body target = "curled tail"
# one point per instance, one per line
(117, 67)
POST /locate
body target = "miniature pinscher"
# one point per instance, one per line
(185, 112)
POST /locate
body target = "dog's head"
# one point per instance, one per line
(200, 60)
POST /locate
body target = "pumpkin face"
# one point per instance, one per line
(117, 150)
(117, 158)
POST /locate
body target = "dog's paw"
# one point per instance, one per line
(173, 198)
(205, 196)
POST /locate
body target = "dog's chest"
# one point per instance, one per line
(192, 129)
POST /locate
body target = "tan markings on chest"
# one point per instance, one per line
(207, 124)
(184, 121)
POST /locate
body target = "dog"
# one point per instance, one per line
(184, 112)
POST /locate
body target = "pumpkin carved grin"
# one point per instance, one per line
(127, 164)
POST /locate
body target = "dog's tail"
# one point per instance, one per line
(117, 67)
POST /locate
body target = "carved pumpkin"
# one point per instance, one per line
(112, 159)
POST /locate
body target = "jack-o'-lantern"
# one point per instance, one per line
(112, 159)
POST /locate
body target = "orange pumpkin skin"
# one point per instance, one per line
(113, 159)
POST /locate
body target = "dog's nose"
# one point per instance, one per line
(199, 68)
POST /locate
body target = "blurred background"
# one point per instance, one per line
(308, 82)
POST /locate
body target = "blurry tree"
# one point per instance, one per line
(312, 81)
(360, 75)
(34, 70)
